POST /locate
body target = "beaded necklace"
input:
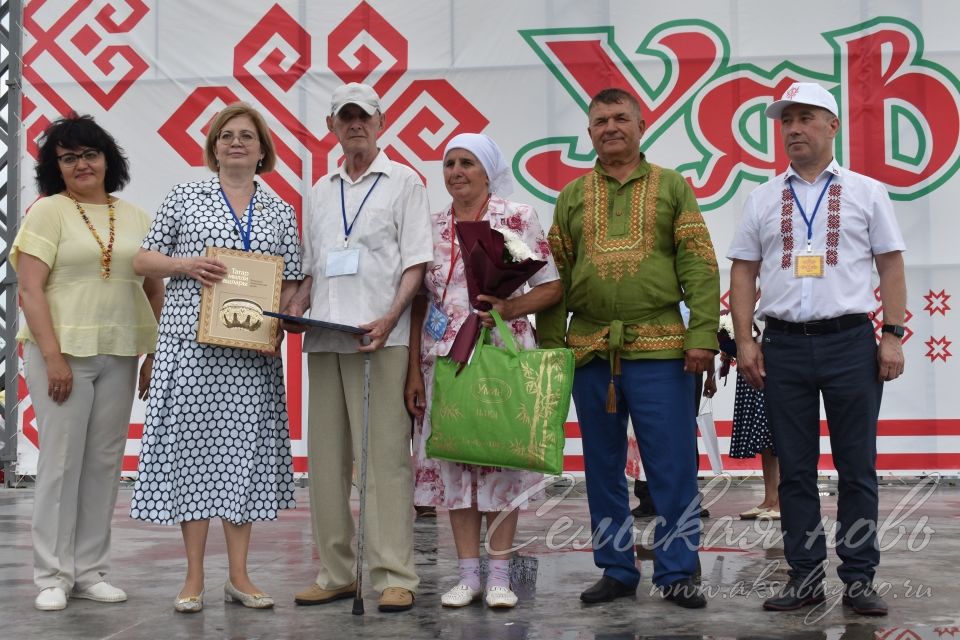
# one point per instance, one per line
(106, 252)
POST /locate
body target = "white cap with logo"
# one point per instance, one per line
(809, 93)
(361, 95)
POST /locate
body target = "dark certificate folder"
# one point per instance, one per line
(320, 324)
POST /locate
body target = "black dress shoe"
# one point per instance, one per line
(644, 510)
(861, 597)
(685, 593)
(607, 589)
(797, 593)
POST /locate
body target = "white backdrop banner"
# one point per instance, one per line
(154, 74)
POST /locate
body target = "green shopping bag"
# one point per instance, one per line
(506, 408)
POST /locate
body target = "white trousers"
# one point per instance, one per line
(78, 471)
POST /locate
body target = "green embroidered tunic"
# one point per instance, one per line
(627, 255)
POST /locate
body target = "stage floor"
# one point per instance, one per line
(740, 560)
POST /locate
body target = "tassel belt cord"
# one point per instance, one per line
(612, 338)
(615, 345)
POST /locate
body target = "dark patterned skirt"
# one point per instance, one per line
(751, 432)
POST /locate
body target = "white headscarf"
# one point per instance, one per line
(490, 156)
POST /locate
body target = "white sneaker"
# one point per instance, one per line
(100, 592)
(51, 599)
(460, 596)
(501, 598)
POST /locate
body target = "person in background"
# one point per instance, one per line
(477, 178)
(89, 318)
(216, 441)
(751, 431)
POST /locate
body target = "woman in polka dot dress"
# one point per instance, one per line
(216, 441)
(751, 433)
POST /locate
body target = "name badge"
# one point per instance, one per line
(436, 324)
(344, 262)
(807, 265)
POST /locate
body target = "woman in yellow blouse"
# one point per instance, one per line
(89, 317)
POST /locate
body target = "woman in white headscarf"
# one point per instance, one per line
(477, 177)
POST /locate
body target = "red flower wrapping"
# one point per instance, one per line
(487, 273)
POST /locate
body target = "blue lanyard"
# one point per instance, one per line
(236, 220)
(813, 215)
(343, 208)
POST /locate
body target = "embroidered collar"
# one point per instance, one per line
(834, 197)
(640, 171)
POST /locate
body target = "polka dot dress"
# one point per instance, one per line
(751, 433)
(216, 439)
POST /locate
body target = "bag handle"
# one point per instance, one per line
(506, 335)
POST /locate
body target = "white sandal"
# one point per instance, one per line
(460, 596)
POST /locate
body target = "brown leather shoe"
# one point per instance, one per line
(396, 599)
(316, 594)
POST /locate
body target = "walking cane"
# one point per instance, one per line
(358, 599)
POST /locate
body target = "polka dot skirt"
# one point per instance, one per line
(215, 442)
(751, 433)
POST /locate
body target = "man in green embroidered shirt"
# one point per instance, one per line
(630, 244)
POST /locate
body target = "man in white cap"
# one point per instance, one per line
(366, 241)
(812, 234)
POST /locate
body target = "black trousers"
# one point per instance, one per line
(842, 368)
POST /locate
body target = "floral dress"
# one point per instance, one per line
(451, 484)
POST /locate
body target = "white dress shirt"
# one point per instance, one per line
(867, 227)
(392, 233)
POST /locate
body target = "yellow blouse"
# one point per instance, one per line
(91, 316)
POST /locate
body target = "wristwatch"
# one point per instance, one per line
(895, 329)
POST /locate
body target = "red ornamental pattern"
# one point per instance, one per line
(938, 348)
(937, 302)
(786, 228)
(270, 63)
(89, 43)
(833, 224)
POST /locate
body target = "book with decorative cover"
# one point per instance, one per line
(232, 311)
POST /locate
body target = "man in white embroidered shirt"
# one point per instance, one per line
(366, 242)
(812, 235)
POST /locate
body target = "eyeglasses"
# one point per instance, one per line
(246, 138)
(88, 156)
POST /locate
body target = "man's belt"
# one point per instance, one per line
(819, 327)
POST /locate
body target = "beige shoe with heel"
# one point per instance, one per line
(250, 600)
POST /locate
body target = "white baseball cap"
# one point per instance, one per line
(809, 93)
(361, 95)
